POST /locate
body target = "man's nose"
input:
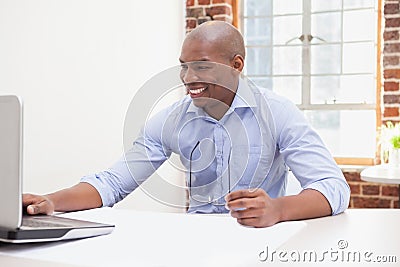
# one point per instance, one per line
(189, 75)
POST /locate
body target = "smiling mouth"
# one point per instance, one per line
(195, 92)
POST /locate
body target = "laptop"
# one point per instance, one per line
(16, 227)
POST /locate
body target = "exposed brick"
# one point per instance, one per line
(223, 18)
(194, 12)
(355, 188)
(371, 202)
(391, 8)
(204, 2)
(391, 99)
(191, 23)
(391, 35)
(352, 176)
(391, 73)
(390, 190)
(203, 19)
(229, 2)
(391, 48)
(392, 22)
(391, 112)
(390, 60)
(218, 10)
(391, 86)
(370, 190)
(189, 3)
(395, 203)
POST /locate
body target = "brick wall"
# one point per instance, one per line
(199, 11)
(371, 195)
(391, 61)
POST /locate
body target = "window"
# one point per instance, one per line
(321, 55)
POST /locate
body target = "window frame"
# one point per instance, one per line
(238, 18)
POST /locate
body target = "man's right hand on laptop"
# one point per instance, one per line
(36, 204)
(81, 196)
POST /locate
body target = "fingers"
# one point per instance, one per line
(31, 210)
(252, 207)
(37, 204)
(253, 222)
(247, 213)
(244, 204)
(28, 199)
(41, 208)
(245, 199)
(244, 193)
(247, 206)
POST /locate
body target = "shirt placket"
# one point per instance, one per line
(219, 144)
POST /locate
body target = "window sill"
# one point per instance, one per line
(353, 168)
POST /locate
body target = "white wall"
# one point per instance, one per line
(77, 65)
(293, 186)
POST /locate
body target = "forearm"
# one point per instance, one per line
(78, 197)
(307, 204)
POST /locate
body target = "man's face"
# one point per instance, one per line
(207, 74)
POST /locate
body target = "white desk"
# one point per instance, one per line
(160, 239)
(373, 231)
(385, 173)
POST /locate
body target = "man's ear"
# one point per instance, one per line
(238, 62)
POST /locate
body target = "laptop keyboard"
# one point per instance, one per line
(34, 223)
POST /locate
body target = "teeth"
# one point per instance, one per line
(197, 91)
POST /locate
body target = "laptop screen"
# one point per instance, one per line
(10, 161)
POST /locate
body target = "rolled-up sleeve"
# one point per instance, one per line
(309, 159)
(111, 185)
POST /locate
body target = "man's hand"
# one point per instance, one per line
(81, 196)
(253, 207)
(36, 204)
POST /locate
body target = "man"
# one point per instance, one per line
(234, 139)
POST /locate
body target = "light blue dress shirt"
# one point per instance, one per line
(252, 145)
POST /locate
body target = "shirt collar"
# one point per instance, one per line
(244, 98)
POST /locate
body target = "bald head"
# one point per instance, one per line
(222, 35)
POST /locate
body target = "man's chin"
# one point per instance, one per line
(199, 102)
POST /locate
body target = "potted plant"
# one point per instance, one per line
(390, 143)
(394, 153)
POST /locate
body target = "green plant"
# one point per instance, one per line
(388, 139)
(395, 141)
(389, 136)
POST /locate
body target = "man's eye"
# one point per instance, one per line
(184, 66)
(203, 67)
